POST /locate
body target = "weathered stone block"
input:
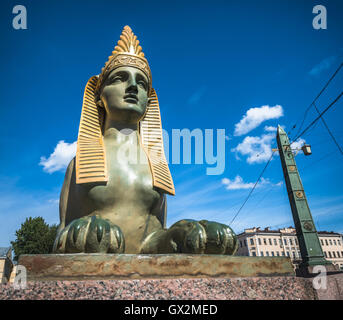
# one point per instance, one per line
(129, 266)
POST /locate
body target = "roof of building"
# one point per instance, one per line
(5, 252)
(289, 230)
(332, 233)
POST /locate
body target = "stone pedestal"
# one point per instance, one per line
(160, 266)
(170, 277)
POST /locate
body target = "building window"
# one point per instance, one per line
(296, 241)
(275, 243)
(290, 242)
(287, 254)
(283, 253)
(254, 253)
(270, 242)
(261, 253)
(273, 253)
(338, 243)
(334, 242)
(264, 241)
(252, 241)
(338, 255)
(259, 241)
(326, 242)
(334, 254)
(285, 242)
(321, 241)
(280, 242)
(330, 242)
(245, 243)
(329, 253)
(325, 254)
(267, 253)
(293, 254)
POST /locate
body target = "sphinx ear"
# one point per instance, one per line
(100, 104)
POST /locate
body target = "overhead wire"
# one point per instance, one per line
(329, 131)
(252, 189)
(317, 118)
(315, 99)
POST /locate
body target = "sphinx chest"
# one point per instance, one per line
(129, 183)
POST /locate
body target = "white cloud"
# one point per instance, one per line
(298, 144)
(258, 149)
(322, 66)
(238, 183)
(255, 116)
(270, 129)
(197, 95)
(60, 158)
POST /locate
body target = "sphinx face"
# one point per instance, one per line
(125, 95)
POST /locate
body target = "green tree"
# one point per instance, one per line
(34, 237)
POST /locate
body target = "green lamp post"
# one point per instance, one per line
(310, 248)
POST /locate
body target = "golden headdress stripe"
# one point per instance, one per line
(153, 144)
(90, 155)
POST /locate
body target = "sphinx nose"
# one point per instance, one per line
(132, 86)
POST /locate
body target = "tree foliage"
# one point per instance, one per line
(34, 237)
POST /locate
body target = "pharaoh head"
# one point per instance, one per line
(123, 92)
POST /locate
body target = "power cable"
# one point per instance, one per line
(253, 188)
(315, 99)
(319, 116)
(330, 133)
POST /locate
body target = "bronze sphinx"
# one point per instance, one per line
(111, 206)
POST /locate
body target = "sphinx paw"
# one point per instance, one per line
(221, 239)
(188, 236)
(90, 235)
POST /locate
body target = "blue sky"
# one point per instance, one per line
(211, 62)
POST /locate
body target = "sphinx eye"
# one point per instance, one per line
(117, 78)
(143, 84)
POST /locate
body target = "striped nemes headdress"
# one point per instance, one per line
(90, 156)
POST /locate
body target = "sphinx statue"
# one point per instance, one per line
(108, 205)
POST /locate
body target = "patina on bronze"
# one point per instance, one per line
(108, 205)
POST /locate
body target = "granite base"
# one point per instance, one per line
(255, 288)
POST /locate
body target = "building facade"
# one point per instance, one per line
(6, 264)
(284, 243)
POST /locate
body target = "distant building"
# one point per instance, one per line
(6, 264)
(284, 243)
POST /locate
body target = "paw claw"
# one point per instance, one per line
(90, 234)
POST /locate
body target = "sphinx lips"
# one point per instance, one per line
(131, 98)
